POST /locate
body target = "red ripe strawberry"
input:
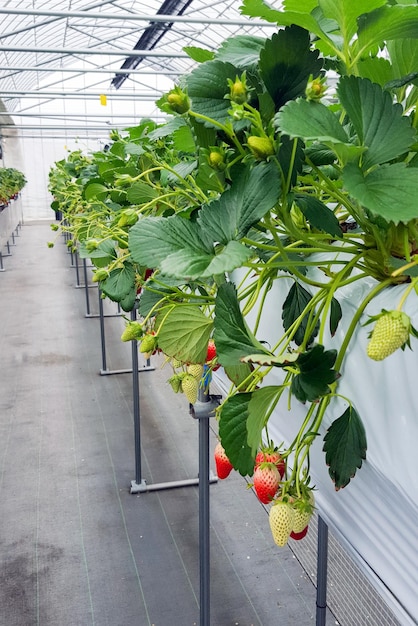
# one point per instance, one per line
(266, 481)
(223, 464)
(266, 455)
(299, 536)
(211, 353)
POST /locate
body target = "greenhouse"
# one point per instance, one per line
(209, 312)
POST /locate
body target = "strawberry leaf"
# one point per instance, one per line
(260, 406)
(233, 432)
(380, 124)
(345, 447)
(183, 332)
(286, 62)
(318, 214)
(389, 191)
(252, 194)
(207, 87)
(237, 374)
(242, 51)
(335, 316)
(233, 338)
(296, 302)
(119, 283)
(315, 374)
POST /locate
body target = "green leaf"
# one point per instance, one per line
(194, 265)
(208, 86)
(183, 140)
(403, 56)
(140, 192)
(299, 14)
(315, 374)
(119, 282)
(183, 169)
(127, 303)
(310, 121)
(345, 447)
(95, 190)
(233, 338)
(104, 254)
(318, 214)
(167, 129)
(385, 24)
(175, 246)
(286, 62)
(252, 194)
(380, 125)
(346, 12)
(237, 374)
(389, 191)
(259, 409)
(376, 69)
(183, 332)
(335, 316)
(233, 432)
(200, 55)
(242, 51)
(296, 302)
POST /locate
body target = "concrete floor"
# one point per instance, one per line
(77, 548)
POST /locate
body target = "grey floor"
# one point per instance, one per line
(77, 548)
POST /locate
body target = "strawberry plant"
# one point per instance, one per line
(289, 160)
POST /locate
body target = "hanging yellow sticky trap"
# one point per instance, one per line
(103, 99)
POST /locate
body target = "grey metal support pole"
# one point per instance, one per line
(203, 410)
(77, 272)
(102, 334)
(86, 287)
(204, 517)
(136, 409)
(322, 571)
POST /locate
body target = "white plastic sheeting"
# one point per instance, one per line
(377, 513)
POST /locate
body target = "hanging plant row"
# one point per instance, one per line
(288, 157)
(12, 182)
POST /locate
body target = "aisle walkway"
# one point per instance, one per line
(77, 548)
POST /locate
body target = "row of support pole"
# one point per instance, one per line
(201, 411)
(13, 235)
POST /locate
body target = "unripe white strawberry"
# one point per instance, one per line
(196, 370)
(190, 387)
(390, 332)
(303, 510)
(281, 517)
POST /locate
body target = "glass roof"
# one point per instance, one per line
(58, 58)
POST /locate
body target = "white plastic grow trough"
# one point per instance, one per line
(376, 515)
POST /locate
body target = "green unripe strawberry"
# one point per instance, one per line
(261, 147)
(175, 382)
(176, 363)
(302, 513)
(99, 275)
(148, 345)
(190, 387)
(390, 332)
(281, 517)
(178, 101)
(238, 91)
(133, 330)
(216, 160)
(196, 370)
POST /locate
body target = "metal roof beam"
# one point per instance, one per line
(97, 51)
(138, 18)
(7, 95)
(23, 68)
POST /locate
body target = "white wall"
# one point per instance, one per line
(39, 155)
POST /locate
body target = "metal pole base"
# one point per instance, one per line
(172, 484)
(146, 368)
